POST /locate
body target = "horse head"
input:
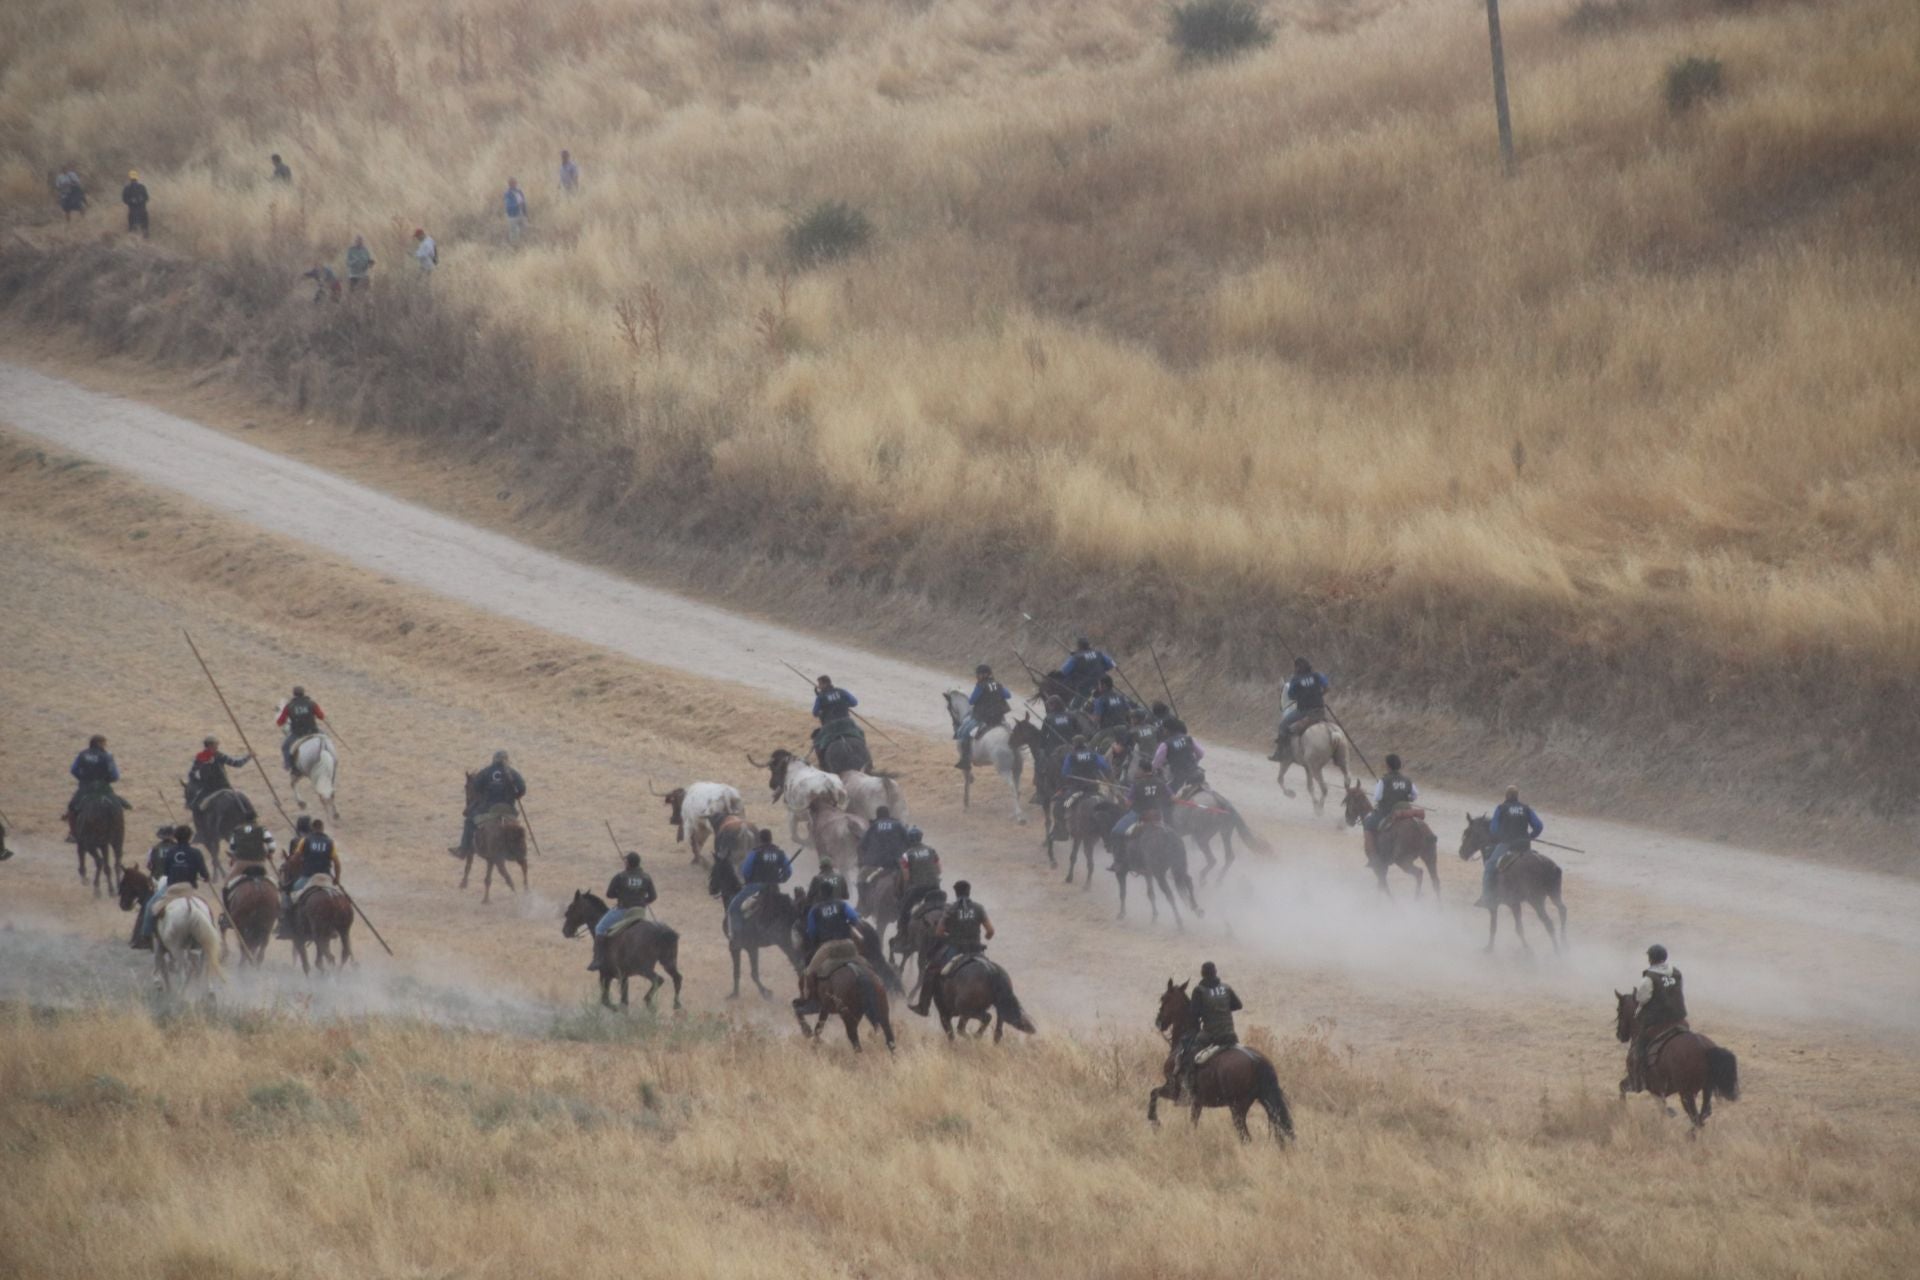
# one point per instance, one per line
(584, 910)
(1626, 1012)
(1477, 836)
(956, 706)
(1358, 806)
(1175, 1007)
(135, 888)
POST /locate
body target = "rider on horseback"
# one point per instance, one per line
(630, 890)
(1081, 772)
(300, 717)
(987, 706)
(250, 850)
(95, 772)
(1393, 792)
(1514, 826)
(1180, 756)
(919, 875)
(1059, 728)
(207, 775)
(827, 884)
(1214, 1003)
(1110, 708)
(1662, 1009)
(1306, 693)
(963, 931)
(180, 863)
(766, 865)
(1147, 802)
(1083, 667)
(499, 784)
(829, 933)
(884, 841)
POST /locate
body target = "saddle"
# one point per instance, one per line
(634, 916)
(834, 956)
(246, 805)
(1405, 813)
(964, 959)
(1213, 1051)
(493, 815)
(871, 876)
(242, 872)
(173, 893)
(321, 883)
(1195, 783)
(1307, 720)
(926, 904)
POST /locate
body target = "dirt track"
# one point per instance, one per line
(1789, 961)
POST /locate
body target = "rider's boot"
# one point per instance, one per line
(923, 995)
(599, 960)
(808, 1001)
(966, 753)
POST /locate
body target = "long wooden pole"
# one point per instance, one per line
(856, 715)
(1500, 85)
(237, 727)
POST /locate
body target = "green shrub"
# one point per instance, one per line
(1692, 81)
(1215, 30)
(831, 229)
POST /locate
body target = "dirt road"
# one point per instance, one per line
(438, 638)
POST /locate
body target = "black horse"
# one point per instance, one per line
(771, 924)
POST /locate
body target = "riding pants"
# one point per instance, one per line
(612, 918)
(914, 897)
(737, 907)
(146, 911)
(1491, 862)
(966, 729)
(1128, 821)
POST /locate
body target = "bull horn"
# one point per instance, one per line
(758, 764)
(658, 794)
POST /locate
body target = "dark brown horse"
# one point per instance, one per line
(917, 942)
(1026, 736)
(1686, 1063)
(253, 908)
(1205, 815)
(771, 925)
(851, 992)
(877, 894)
(637, 948)
(100, 828)
(217, 817)
(1159, 857)
(1089, 821)
(1234, 1078)
(1406, 843)
(979, 991)
(1526, 877)
(498, 838)
(320, 916)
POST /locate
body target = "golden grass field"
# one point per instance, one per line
(1246, 357)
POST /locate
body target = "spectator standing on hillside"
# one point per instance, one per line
(359, 265)
(70, 192)
(569, 174)
(280, 171)
(325, 283)
(134, 196)
(516, 205)
(425, 251)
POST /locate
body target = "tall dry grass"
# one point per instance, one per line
(1266, 354)
(250, 1144)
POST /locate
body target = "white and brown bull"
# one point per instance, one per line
(868, 792)
(800, 787)
(696, 812)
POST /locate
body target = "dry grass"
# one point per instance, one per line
(1271, 338)
(254, 1144)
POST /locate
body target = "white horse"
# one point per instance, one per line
(996, 746)
(314, 763)
(867, 792)
(800, 786)
(1311, 749)
(185, 937)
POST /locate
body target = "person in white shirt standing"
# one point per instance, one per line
(425, 251)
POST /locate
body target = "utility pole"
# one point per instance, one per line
(1500, 85)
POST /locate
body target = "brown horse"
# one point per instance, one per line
(851, 992)
(1089, 821)
(498, 838)
(979, 991)
(320, 916)
(1526, 877)
(1686, 1063)
(253, 908)
(1159, 857)
(637, 948)
(1407, 842)
(771, 925)
(917, 942)
(100, 828)
(878, 892)
(1205, 814)
(1234, 1078)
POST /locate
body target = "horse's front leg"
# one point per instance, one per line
(1317, 791)
(1540, 909)
(466, 872)
(1120, 877)
(753, 963)
(1493, 924)
(80, 860)
(1518, 927)
(606, 989)
(506, 876)
(1282, 779)
(1693, 1113)
(1019, 809)
(487, 884)
(735, 993)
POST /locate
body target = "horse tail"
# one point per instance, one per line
(207, 935)
(1723, 1074)
(1248, 836)
(1007, 1004)
(1266, 1083)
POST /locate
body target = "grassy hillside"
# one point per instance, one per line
(1260, 356)
(253, 1144)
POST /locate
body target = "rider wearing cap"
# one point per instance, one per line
(1661, 1002)
(498, 784)
(180, 863)
(630, 890)
(987, 706)
(1306, 692)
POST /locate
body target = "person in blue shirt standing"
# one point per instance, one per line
(94, 772)
(1306, 693)
(829, 931)
(1514, 826)
(766, 865)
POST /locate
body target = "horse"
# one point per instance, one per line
(979, 991)
(185, 936)
(1203, 814)
(1025, 735)
(315, 764)
(851, 992)
(1405, 844)
(636, 948)
(845, 752)
(996, 747)
(323, 913)
(732, 837)
(878, 896)
(1234, 1078)
(99, 828)
(252, 909)
(868, 793)
(1155, 854)
(498, 838)
(1312, 748)
(217, 816)
(799, 786)
(835, 833)
(1089, 822)
(770, 926)
(1525, 877)
(1686, 1063)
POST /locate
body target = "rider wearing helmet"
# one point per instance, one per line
(919, 874)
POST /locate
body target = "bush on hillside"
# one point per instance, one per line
(830, 230)
(1692, 81)
(1214, 30)
(1590, 17)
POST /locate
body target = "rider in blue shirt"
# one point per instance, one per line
(1305, 692)
(1084, 666)
(830, 703)
(93, 770)
(987, 706)
(766, 865)
(180, 863)
(1514, 825)
(1110, 708)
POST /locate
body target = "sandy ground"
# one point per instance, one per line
(431, 642)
